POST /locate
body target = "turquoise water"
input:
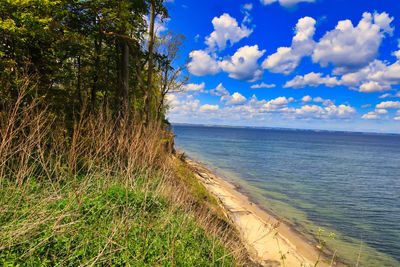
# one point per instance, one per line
(346, 183)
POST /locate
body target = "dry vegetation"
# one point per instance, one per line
(110, 193)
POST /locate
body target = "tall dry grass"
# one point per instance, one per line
(106, 192)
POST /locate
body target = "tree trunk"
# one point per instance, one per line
(147, 97)
(125, 76)
(78, 85)
(97, 49)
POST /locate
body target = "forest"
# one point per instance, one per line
(91, 56)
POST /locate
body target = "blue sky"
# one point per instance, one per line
(315, 64)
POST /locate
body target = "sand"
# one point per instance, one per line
(259, 230)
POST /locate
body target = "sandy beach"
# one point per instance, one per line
(265, 237)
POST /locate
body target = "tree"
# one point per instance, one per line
(172, 79)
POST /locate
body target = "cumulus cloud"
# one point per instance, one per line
(340, 112)
(202, 63)
(243, 64)
(192, 87)
(381, 111)
(318, 99)
(329, 112)
(373, 87)
(285, 3)
(306, 98)
(279, 104)
(309, 111)
(226, 29)
(219, 91)
(248, 6)
(187, 105)
(234, 99)
(172, 100)
(374, 115)
(237, 108)
(350, 48)
(286, 59)
(378, 76)
(262, 85)
(389, 104)
(311, 79)
(207, 107)
(370, 116)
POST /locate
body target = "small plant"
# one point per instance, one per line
(283, 255)
(322, 245)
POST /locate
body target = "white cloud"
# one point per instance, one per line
(318, 99)
(286, 59)
(397, 118)
(202, 63)
(234, 99)
(311, 79)
(373, 87)
(226, 29)
(277, 104)
(240, 109)
(172, 100)
(329, 112)
(376, 77)
(219, 90)
(370, 116)
(389, 104)
(308, 111)
(207, 107)
(195, 87)
(184, 106)
(285, 3)
(262, 85)
(366, 106)
(243, 64)
(389, 74)
(248, 6)
(306, 98)
(383, 21)
(340, 112)
(350, 48)
(245, 9)
(381, 111)
(385, 95)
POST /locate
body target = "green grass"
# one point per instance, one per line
(119, 226)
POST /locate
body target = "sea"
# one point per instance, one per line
(318, 182)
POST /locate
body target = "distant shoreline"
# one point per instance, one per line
(289, 129)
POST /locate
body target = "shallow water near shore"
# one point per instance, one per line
(346, 183)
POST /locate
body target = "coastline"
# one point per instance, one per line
(266, 238)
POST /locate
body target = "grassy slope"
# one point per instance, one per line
(106, 224)
(111, 195)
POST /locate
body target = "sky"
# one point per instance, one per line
(308, 64)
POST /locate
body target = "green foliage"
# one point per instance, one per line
(74, 49)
